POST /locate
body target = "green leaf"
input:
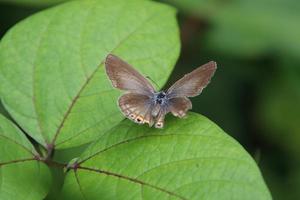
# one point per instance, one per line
(21, 175)
(3, 111)
(190, 158)
(52, 63)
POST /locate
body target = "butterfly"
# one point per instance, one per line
(143, 104)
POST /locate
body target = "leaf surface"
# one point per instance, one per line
(52, 79)
(21, 175)
(190, 159)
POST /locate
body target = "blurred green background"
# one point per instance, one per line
(255, 94)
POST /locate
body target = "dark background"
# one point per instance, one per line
(255, 93)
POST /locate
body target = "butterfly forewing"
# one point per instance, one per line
(125, 77)
(136, 107)
(193, 83)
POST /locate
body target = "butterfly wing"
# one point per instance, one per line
(160, 118)
(179, 106)
(137, 107)
(125, 77)
(193, 83)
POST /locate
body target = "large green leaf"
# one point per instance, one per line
(52, 80)
(3, 111)
(21, 175)
(190, 159)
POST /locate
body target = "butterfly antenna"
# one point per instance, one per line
(148, 77)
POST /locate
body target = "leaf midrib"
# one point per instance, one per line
(17, 161)
(134, 180)
(17, 143)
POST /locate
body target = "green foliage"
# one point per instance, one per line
(262, 36)
(279, 111)
(249, 28)
(53, 85)
(56, 71)
(21, 175)
(189, 159)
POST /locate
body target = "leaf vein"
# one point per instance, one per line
(25, 148)
(79, 185)
(142, 137)
(17, 161)
(134, 180)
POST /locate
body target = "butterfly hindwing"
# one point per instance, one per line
(160, 118)
(136, 107)
(179, 106)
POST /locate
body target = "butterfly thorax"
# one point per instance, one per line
(159, 102)
(160, 98)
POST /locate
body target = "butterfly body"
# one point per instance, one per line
(142, 104)
(160, 98)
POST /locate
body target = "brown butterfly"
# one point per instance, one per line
(143, 104)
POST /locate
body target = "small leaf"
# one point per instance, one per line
(52, 63)
(21, 175)
(190, 159)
